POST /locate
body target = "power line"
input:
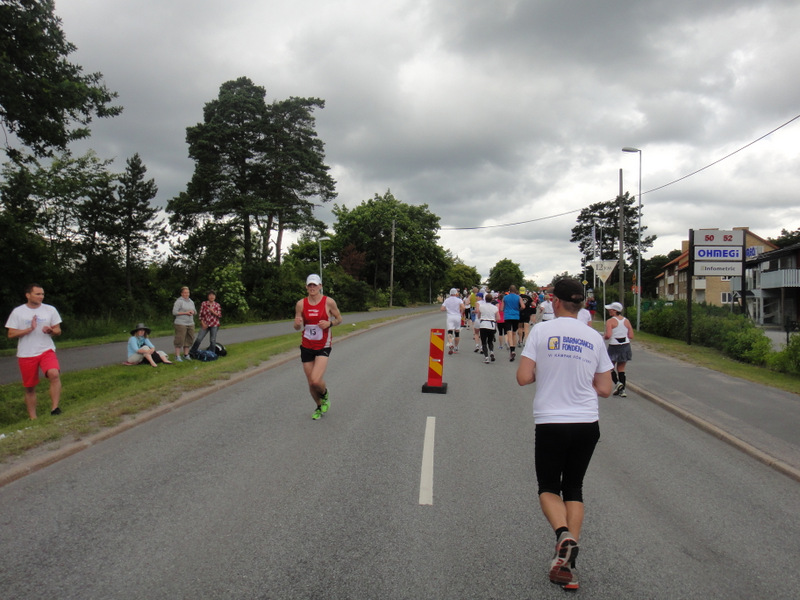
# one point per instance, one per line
(655, 189)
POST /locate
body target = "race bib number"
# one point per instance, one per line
(312, 332)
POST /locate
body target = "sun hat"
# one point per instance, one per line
(140, 326)
(614, 306)
(313, 278)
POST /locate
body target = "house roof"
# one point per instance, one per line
(772, 254)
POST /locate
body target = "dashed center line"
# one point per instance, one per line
(426, 476)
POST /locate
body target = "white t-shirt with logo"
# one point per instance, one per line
(568, 354)
(36, 342)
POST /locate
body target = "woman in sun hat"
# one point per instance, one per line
(140, 348)
(619, 334)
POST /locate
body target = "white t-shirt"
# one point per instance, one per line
(567, 354)
(488, 315)
(36, 342)
(547, 310)
(584, 316)
(452, 305)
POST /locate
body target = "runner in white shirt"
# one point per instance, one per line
(570, 366)
(455, 314)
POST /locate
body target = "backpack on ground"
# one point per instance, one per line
(219, 349)
(206, 355)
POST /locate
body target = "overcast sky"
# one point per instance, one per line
(488, 111)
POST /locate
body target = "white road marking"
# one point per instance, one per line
(426, 477)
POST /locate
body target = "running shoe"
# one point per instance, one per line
(618, 388)
(326, 402)
(573, 585)
(178, 358)
(513, 356)
(450, 349)
(317, 414)
(477, 349)
(623, 393)
(492, 356)
(486, 360)
(565, 555)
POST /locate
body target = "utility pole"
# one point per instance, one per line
(391, 271)
(621, 244)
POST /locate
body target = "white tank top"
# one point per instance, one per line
(619, 335)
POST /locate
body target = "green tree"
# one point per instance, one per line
(461, 276)
(137, 224)
(296, 170)
(45, 100)
(505, 274)
(419, 262)
(786, 238)
(597, 231)
(257, 168)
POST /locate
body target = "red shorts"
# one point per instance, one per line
(29, 367)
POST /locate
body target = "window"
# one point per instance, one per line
(726, 298)
(725, 278)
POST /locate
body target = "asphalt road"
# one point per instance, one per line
(242, 495)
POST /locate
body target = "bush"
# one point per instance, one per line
(714, 327)
(788, 359)
(748, 345)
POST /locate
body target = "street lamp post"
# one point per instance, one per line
(638, 243)
(324, 238)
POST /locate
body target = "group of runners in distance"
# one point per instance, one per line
(571, 365)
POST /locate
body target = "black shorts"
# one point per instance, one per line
(562, 454)
(309, 355)
(512, 325)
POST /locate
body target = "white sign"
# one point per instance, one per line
(717, 237)
(603, 268)
(718, 269)
(717, 253)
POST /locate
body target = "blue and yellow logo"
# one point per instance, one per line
(554, 343)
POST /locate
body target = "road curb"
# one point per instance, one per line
(761, 456)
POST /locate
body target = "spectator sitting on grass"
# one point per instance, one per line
(140, 348)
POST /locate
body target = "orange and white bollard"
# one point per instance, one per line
(434, 384)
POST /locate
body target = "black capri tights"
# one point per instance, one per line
(562, 455)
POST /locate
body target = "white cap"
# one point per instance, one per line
(453, 292)
(614, 306)
(313, 278)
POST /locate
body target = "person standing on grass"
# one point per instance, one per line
(34, 324)
(315, 315)
(619, 333)
(570, 366)
(455, 316)
(210, 314)
(184, 312)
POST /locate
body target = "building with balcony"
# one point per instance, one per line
(773, 287)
